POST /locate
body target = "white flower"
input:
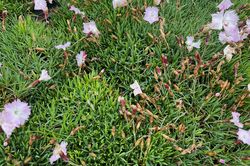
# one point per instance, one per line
(40, 5)
(224, 5)
(80, 58)
(136, 87)
(244, 136)
(44, 76)
(228, 52)
(76, 10)
(63, 46)
(227, 20)
(90, 28)
(6, 126)
(191, 44)
(236, 119)
(119, 3)
(151, 14)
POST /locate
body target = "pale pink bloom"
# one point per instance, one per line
(44, 76)
(63, 46)
(228, 52)
(80, 58)
(119, 3)
(222, 161)
(40, 5)
(244, 136)
(136, 87)
(151, 14)
(60, 151)
(16, 112)
(76, 10)
(90, 28)
(236, 119)
(221, 20)
(50, 1)
(191, 44)
(157, 2)
(231, 35)
(224, 5)
(6, 126)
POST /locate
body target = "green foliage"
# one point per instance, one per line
(76, 98)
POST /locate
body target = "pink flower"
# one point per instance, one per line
(60, 151)
(119, 3)
(16, 113)
(231, 35)
(136, 87)
(228, 52)
(76, 10)
(244, 136)
(44, 76)
(221, 20)
(224, 5)
(40, 5)
(191, 44)
(63, 46)
(222, 161)
(157, 2)
(151, 15)
(6, 126)
(236, 119)
(90, 28)
(80, 58)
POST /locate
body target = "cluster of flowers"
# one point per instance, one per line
(243, 135)
(16, 113)
(228, 20)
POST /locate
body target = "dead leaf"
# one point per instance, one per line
(75, 130)
(92, 154)
(138, 141)
(211, 154)
(178, 148)
(181, 128)
(191, 149)
(123, 134)
(52, 141)
(33, 138)
(27, 160)
(148, 141)
(113, 131)
(168, 138)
